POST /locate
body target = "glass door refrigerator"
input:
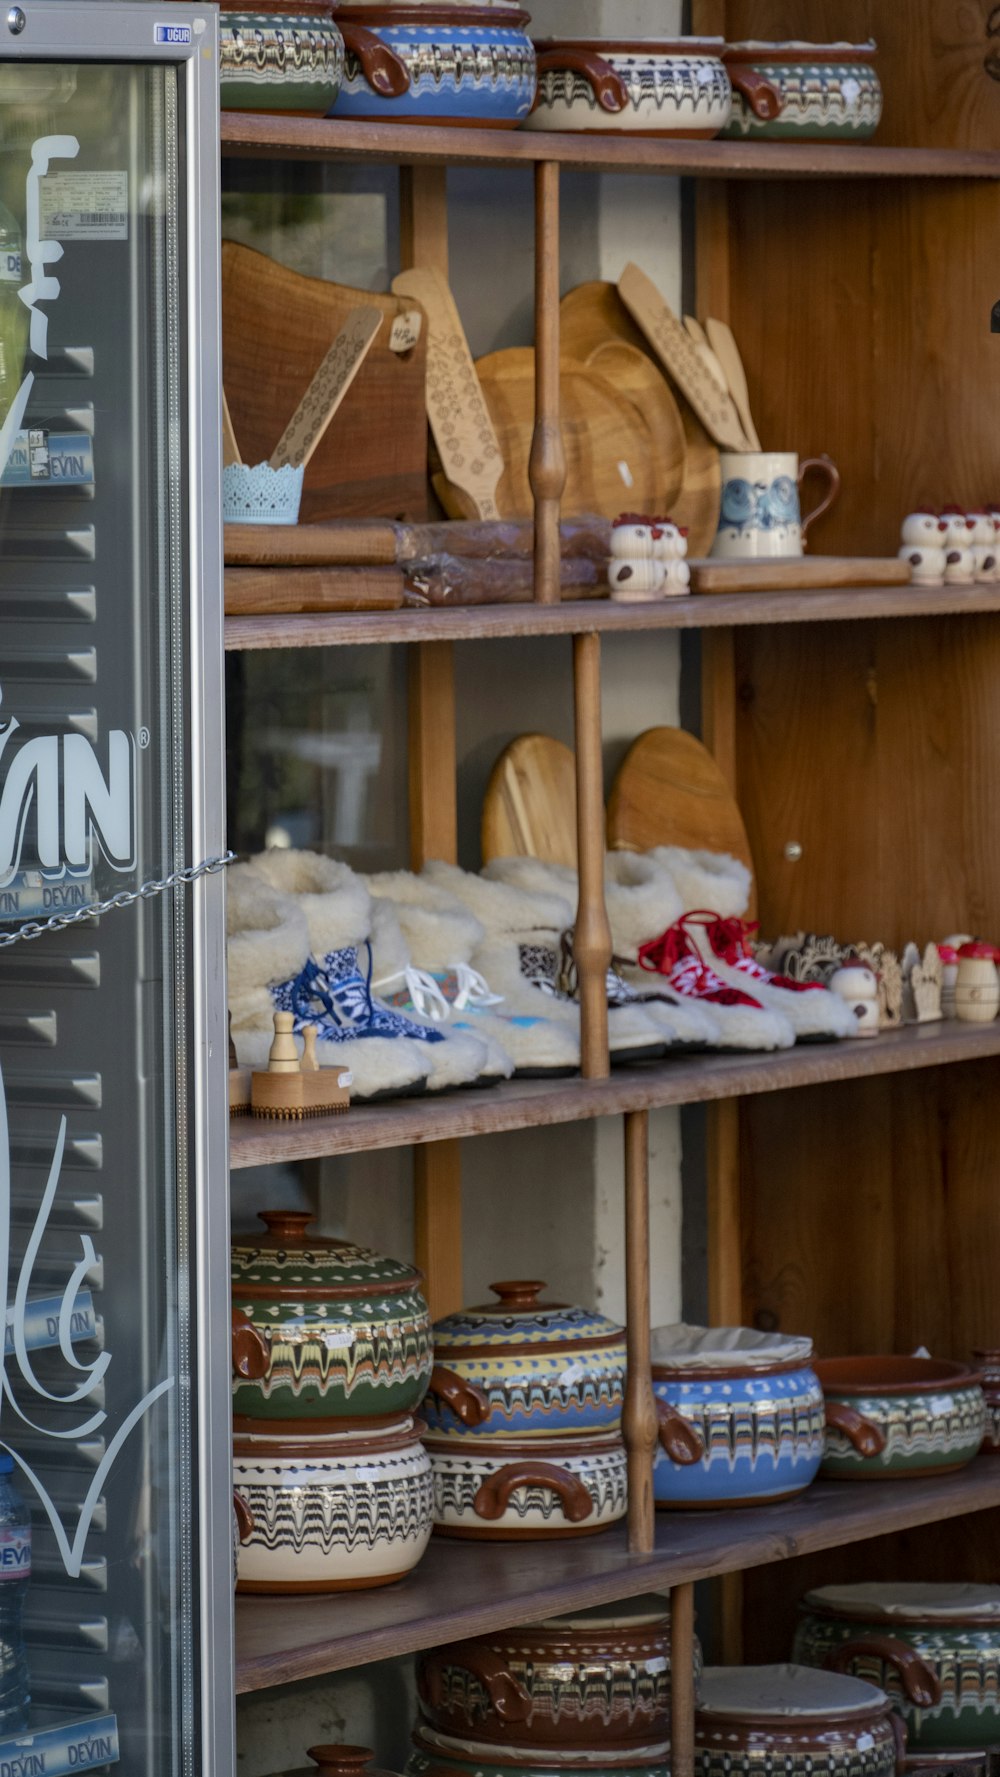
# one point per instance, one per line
(115, 1468)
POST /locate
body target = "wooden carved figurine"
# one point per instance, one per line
(885, 966)
(922, 978)
(294, 1087)
(857, 983)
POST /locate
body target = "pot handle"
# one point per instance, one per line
(762, 96)
(493, 1497)
(244, 1517)
(898, 1727)
(868, 1439)
(605, 83)
(679, 1439)
(251, 1351)
(825, 466)
(468, 1403)
(385, 73)
(920, 1682)
(510, 1700)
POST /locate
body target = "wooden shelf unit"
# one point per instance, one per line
(462, 1589)
(865, 1216)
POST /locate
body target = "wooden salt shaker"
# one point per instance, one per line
(977, 987)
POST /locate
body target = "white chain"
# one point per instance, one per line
(124, 898)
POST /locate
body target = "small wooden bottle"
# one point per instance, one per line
(977, 987)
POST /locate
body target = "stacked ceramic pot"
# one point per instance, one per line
(524, 1419)
(437, 61)
(331, 1358)
(588, 1692)
(795, 1721)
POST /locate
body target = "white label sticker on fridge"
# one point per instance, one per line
(85, 207)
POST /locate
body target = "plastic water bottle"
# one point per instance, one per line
(15, 1575)
(13, 314)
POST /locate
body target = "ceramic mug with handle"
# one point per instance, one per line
(760, 516)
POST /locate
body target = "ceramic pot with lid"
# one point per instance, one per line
(527, 1488)
(340, 1761)
(600, 1678)
(795, 1720)
(288, 56)
(741, 1416)
(666, 87)
(891, 1416)
(437, 63)
(332, 1512)
(934, 1650)
(439, 1755)
(348, 1330)
(826, 91)
(522, 1368)
(988, 1362)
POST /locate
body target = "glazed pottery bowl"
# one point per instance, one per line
(437, 64)
(794, 1720)
(523, 1368)
(638, 88)
(741, 1416)
(888, 1417)
(348, 1331)
(528, 1488)
(332, 1512)
(439, 1755)
(600, 1678)
(934, 1650)
(827, 91)
(988, 1362)
(288, 57)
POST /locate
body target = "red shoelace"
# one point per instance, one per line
(675, 955)
(730, 941)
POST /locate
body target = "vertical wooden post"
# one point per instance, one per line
(639, 1418)
(437, 1168)
(682, 1681)
(547, 463)
(592, 939)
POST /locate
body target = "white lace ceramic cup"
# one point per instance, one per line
(760, 515)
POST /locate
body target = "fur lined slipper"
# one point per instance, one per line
(715, 891)
(462, 1056)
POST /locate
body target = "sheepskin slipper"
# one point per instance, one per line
(715, 891)
(458, 1055)
(744, 1023)
(268, 950)
(441, 936)
(503, 907)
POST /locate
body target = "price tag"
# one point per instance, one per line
(406, 330)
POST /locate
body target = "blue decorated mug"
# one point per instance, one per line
(760, 515)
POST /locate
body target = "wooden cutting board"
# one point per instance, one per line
(529, 809)
(259, 592)
(637, 377)
(590, 316)
(349, 543)
(612, 463)
(670, 791)
(277, 327)
(803, 573)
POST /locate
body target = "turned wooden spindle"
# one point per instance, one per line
(639, 1418)
(592, 937)
(547, 462)
(682, 1681)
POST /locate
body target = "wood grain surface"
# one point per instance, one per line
(635, 374)
(466, 441)
(529, 808)
(681, 358)
(798, 573)
(460, 1590)
(277, 327)
(257, 591)
(669, 790)
(355, 542)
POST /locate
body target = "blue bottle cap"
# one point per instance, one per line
(6, 1463)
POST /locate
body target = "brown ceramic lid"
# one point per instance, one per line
(892, 1375)
(800, 52)
(288, 1263)
(452, 1748)
(518, 1321)
(340, 1761)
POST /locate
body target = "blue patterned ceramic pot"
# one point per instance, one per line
(437, 64)
(741, 1416)
(934, 1650)
(891, 1416)
(521, 1368)
(757, 1720)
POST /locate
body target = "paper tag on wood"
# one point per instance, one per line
(406, 330)
(327, 389)
(460, 419)
(680, 359)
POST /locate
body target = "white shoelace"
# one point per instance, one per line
(473, 989)
(425, 995)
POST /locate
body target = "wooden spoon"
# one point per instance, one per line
(723, 344)
(705, 352)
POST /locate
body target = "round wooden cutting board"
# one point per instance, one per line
(612, 461)
(592, 315)
(529, 809)
(638, 377)
(670, 791)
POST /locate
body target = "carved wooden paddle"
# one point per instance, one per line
(456, 407)
(327, 389)
(679, 357)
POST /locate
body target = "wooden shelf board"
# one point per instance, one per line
(477, 622)
(526, 1104)
(463, 1589)
(317, 138)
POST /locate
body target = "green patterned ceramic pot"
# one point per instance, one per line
(761, 1721)
(521, 1368)
(349, 1331)
(288, 57)
(441, 1755)
(934, 1650)
(893, 1416)
(827, 92)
